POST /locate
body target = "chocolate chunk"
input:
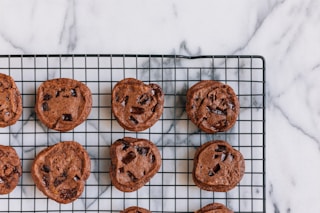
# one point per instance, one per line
(143, 150)
(46, 168)
(73, 93)
(45, 106)
(47, 97)
(67, 117)
(68, 194)
(129, 157)
(137, 110)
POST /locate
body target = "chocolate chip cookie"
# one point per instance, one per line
(60, 171)
(135, 209)
(62, 103)
(10, 101)
(133, 163)
(217, 166)
(214, 208)
(10, 169)
(135, 105)
(212, 106)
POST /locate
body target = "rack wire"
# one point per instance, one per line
(172, 188)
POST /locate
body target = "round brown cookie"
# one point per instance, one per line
(10, 171)
(133, 163)
(60, 171)
(212, 106)
(135, 209)
(214, 208)
(217, 166)
(135, 105)
(62, 103)
(10, 101)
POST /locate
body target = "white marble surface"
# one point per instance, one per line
(285, 32)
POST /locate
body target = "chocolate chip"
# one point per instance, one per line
(45, 106)
(143, 150)
(121, 170)
(154, 108)
(137, 110)
(153, 159)
(132, 177)
(46, 168)
(57, 93)
(45, 180)
(67, 117)
(221, 148)
(216, 168)
(126, 145)
(134, 121)
(76, 178)
(143, 99)
(73, 93)
(47, 97)
(60, 179)
(68, 194)
(129, 157)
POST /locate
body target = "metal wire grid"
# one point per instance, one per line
(172, 189)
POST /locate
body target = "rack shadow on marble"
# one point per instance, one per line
(172, 189)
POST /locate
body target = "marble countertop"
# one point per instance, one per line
(285, 33)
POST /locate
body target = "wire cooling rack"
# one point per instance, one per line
(172, 188)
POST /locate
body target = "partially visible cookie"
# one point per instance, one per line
(60, 171)
(135, 209)
(63, 103)
(214, 208)
(217, 166)
(10, 169)
(133, 163)
(135, 105)
(10, 101)
(212, 106)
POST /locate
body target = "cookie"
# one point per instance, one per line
(212, 106)
(62, 103)
(217, 166)
(135, 105)
(214, 208)
(133, 163)
(10, 169)
(10, 101)
(135, 209)
(60, 171)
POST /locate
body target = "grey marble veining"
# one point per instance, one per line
(285, 32)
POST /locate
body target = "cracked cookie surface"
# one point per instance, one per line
(133, 163)
(60, 171)
(63, 103)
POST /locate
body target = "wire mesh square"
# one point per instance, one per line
(172, 188)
